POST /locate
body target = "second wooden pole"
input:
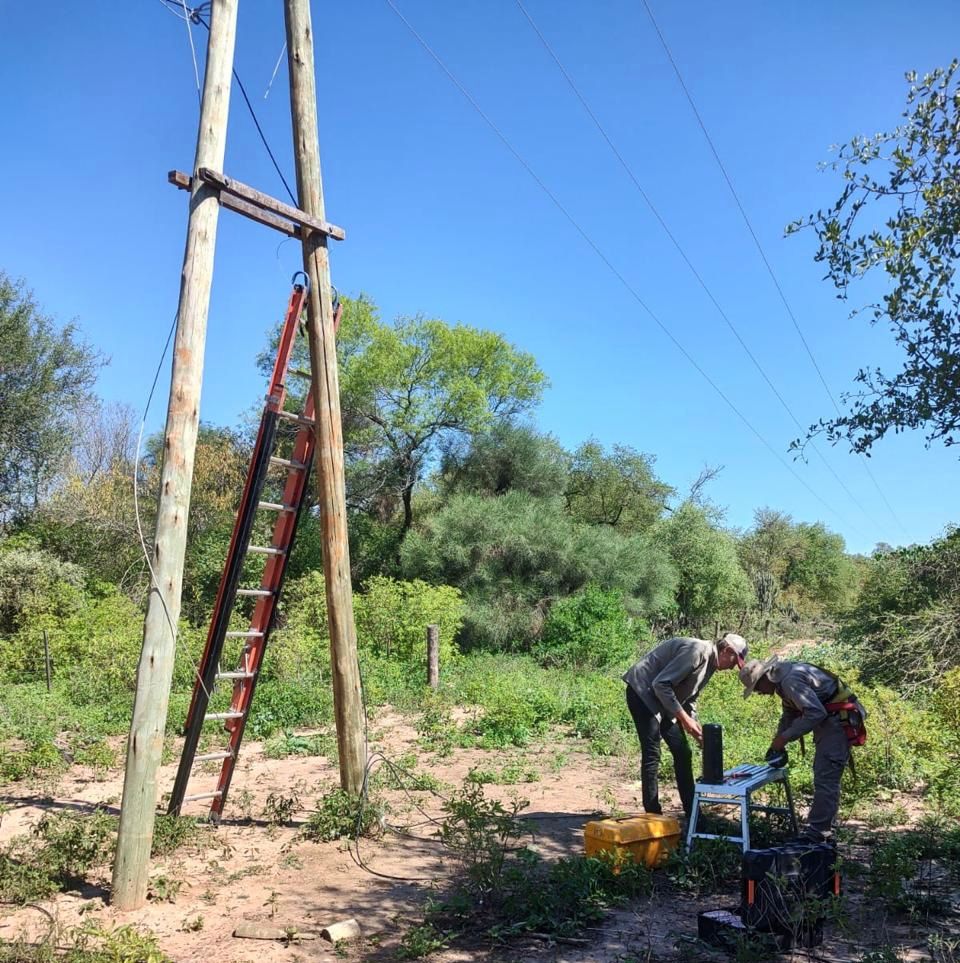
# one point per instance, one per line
(347, 700)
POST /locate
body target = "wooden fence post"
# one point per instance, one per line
(46, 657)
(433, 656)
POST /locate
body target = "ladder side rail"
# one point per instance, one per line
(285, 532)
(276, 393)
(226, 595)
(240, 537)
(244, 689)
(274, 402)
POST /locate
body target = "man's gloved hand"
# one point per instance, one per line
(776, 757)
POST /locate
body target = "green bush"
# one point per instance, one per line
(517, 699)
(89, 943)
(94, 648)
(39, 730)
(563, 897)
(904, 868)
(589, 630)
(63, 848)
(285, 705)
(340, 815)
(34, 583)
(171, 832)
(595, 708)
(392, 618)
(511, 555)
(711, 865)
(508, 890)
(905, 625)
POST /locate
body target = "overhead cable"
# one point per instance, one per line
(606, 260)
(760, 250)
(683, 254)
(195, 15)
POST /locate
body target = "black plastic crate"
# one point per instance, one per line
(784, 889)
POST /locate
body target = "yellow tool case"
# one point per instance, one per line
(645, 838)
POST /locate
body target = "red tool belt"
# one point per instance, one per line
(851, 718)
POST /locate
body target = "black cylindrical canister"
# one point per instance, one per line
(713, 754)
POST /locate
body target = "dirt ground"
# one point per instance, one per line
(255, 871)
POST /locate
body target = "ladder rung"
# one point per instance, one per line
(214, 716)
(300, 373)
(287, 463)
(266, 549)
(260, 593)
(275, 507)
(249, 634)
(234, 675)
(202, 795)
(213, 756)
(293, 416)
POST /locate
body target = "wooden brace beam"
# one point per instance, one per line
(256, 205)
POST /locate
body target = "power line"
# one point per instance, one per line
(760, 249)
(193, 50)
(603, 257)
(194, 15)
(683, 254)
(256, 123)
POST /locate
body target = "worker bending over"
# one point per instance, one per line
(662, 690)
(814, 700)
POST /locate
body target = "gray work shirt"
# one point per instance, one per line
(672, 675)
(804, 690)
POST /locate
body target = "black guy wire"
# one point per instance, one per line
(609, 264)
(195, 15)
(683, 254)
(760, 249)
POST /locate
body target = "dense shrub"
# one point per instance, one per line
(284, 705)
(34, 583)
(712, 584)
(392, 618)
(299, 646)
(512, 556)
(905, 625)
(95, 647)
(63, 848)
(589, 630)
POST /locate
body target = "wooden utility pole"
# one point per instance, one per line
(155, 671)
(348, 704)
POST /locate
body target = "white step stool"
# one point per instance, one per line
(738, 785)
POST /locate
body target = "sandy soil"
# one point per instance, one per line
(253, 871)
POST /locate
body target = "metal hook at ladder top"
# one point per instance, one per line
(267, 594)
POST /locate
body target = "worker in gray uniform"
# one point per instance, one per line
(814, 700)
(662, 690)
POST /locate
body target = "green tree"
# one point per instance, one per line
(821, 570)
(766, 552)
(801, 566)
(590, 630)
(618, 489)
(46, 377)
(905, 624)
(508, 457)
(898, 217)
(34, 583)
(513, 556)
(408, 388)
(89, 518)
(712, 583)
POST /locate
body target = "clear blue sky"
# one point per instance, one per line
(99, 102)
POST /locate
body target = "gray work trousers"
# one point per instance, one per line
(829, 759)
